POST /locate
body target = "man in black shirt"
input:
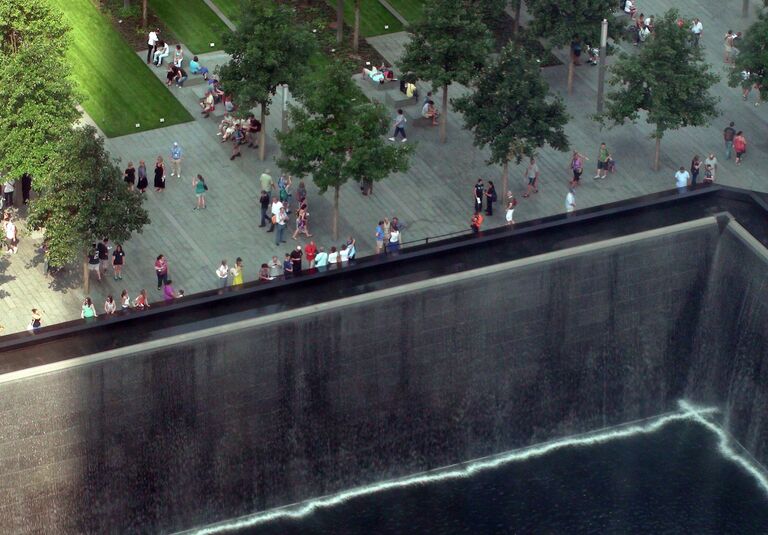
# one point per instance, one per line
(296, 256)
(479, 193)
(264, 202)
(103, 250)
(729, 132)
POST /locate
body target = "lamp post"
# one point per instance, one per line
(601, 67)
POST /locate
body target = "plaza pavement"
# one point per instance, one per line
(433, 197)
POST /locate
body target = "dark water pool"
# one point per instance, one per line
(671, 481)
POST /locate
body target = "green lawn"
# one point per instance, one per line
(231, 8)
(192, 22)
(411, 10)
(373, 17)
(118, 87)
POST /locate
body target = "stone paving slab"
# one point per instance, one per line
(433, 197)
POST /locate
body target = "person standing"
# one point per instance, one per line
(143, 182)
(26, 187)
(321, 261)
(176, 154)
(296, 256)
(222, 274)
(311, 252)
(161, 270)
(159, 174)
(110, 307)
(729, 132)
(379, 237)
(264, 205)
(152, 40)
(711, 161)
(577, 168)
(264, 273)
(287, 266)
(478, 193)
(11, 235)
(36, 320)
(709, 175)
(103, 248)
(739, 146)
(695, 167)
(129, 175)
(681, 179)
(490, 198)
(275, 211)
(94, 264)
(394, 240)
(697, 28)
(282, 220)
(532, 173)
(118, 260)
(200, 189)
(570, 201)
(511, 204)
(88, 310)
(602, 162)
(399, 124)
(237, 272)
(275, 268)
(267, 184)
(8, 189)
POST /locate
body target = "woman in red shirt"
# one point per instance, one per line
(740, 146)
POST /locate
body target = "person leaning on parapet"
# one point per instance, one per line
(681, 179)
(476, 222)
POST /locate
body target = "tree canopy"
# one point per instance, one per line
(84, 199)
(450, 44)
(753, 56)
(667, 79)
(38, 98)
(511, 110)
(338, 136)
(269, 48)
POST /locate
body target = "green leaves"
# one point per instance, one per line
(269, 48)
(667, 78)
(83, 198)
(560, 21)
(752, 57)
(511, 110)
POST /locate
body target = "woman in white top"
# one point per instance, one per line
(344, 254)
(125, 300)
(394, 240)
(333, 256)
(161, 52)
(109, 305)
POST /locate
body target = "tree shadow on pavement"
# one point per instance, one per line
(4, 276)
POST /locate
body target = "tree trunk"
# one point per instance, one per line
(339, 21)
(658, 153)
(516, 23)
(263, 133)
(745, 9)
(86, 278)
(144, 13)
(356, 34)
(505, 182)
(444, 118)
(126, 4)
(336, 213)
(571, 68)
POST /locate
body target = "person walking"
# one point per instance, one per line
(159, 174)
(94, 264)
(301, 223)
(143, 182)
(695, 167)
(267, 184)
(602, 162)
(222, 274)
(478, 193)
(282, 220)
(176, 154)
(200, 188)
(570, 201)
(87, 310)
(161, 270)
(490, 198)
(532, 173)
(237, 272)
(681, 179)
(697, 28)
(11, 234)
(399, 124)
(152, 40)
(511, 204)
(118, 260)
(739, 146)
(729, 132)
(264, 205)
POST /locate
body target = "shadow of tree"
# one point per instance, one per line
(65, 278)
(4, 276)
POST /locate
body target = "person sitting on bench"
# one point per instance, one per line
(429, 111)
(196, 68)
(162, 51)
(208, 104)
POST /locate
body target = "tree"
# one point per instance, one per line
(268, 49)
(562, 22)
(84, 199)
(39, 101)
(339, 21)
(511, 110)
(753, 57)
(338, 136)
(450, 44)
(667, 78)
(144, 13)
(356, 31)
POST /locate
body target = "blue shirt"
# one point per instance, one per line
(176, 153)
(379, 233)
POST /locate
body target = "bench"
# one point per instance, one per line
(395, 98)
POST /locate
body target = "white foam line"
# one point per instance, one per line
(724, 445)
(465, 470)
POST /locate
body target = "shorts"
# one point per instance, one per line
(379, 243)
(199, 195)
(740, 153)
(531, 180)
(509, 215)
(602, 165)
(93, 267)
(577, 174)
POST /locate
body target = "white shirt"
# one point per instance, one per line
(152, 41)
(394, 236)
(222, 272)
(333, 257)
(570, 201)
(276, 208)
(697, 28)
(344, 254)
(10, 230)
(681, 178)
(628, 7)
(8, 186)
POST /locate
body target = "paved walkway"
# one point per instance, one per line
(433, 197)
